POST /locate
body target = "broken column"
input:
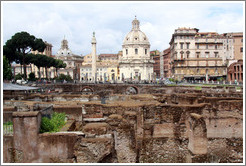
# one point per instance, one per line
(25, 133)
(198, 141)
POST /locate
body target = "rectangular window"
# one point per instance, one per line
(188, 45)
(207, 54)
(126, 51)
(216, 47)
(216, 54)
(145, 51)
(181, 45)
(136, 51)
(241, 40)
(241, 49)
(197, 46)
(206, 46)
(197, 54)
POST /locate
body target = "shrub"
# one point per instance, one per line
(198, 88)
(19, 76)
(54, 124)
(64, 77)
(8, 123)
(171, 79)
(32, 77)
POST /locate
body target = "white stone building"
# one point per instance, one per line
(136, 62)
(72, 61)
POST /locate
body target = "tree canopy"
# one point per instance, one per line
(7, 74)
(16, 48)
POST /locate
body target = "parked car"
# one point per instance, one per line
(21, 82)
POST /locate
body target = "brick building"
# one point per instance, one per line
(237, 44)
(167, 65)
(235, 72)
(156, 58)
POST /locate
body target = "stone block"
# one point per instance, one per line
(163, 130)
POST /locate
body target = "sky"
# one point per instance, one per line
(111, 21)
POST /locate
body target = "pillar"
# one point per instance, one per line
(93, 54)
(198, 141)
(25, 133)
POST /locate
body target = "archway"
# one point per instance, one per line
(131, 90)
(87, 90)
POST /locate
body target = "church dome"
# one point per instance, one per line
(64, 50)
(136, 36)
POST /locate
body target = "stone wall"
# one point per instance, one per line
(27, 145)
(56, 147)
(8, 149)
(183, 125)
(7, 114)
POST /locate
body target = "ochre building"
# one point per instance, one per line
(200, 56)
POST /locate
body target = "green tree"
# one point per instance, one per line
(49, 63)
(39, 61)
(64, 77)
(59, 64)
(32, 77)
(7, 74)
(20, 45)
(19, 76)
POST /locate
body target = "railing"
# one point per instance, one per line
(47, 112)
(214, 82)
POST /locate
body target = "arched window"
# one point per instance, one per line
(136, 51)
(126, 51)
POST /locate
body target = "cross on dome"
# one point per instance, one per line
(135, 24)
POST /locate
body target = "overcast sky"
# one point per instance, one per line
(111, 21)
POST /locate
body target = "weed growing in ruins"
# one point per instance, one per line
(8, 128)
(54, 124)
(198, 88)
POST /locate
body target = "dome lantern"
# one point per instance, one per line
(135, 24)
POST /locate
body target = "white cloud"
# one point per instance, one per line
(112, 21)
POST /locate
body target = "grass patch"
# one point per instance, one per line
(8, 123)
(8, 128)
(238, 88)
(198, 88)
(54, 124)
(172, 85)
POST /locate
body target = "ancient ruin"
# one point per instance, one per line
(128, 123)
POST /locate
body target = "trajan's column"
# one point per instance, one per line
(93, 54)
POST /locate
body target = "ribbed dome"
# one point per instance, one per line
(136, 36)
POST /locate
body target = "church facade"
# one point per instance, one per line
(136, 63)
(72, 61)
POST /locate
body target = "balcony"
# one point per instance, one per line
(179, 59)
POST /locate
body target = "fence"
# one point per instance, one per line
(47, 112)
(8, 128)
